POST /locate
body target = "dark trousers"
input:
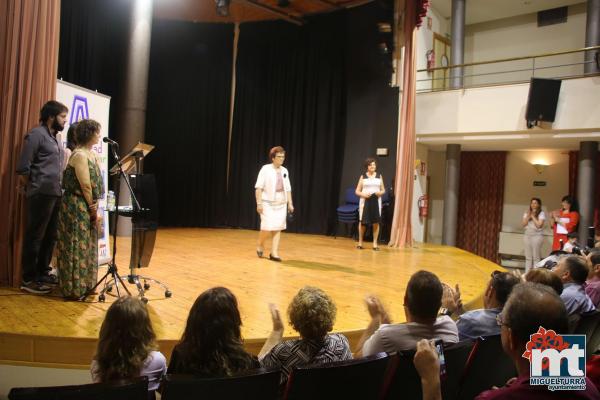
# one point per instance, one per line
(40, 235)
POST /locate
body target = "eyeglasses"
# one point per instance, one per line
(500, 320)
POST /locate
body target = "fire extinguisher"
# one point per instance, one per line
(423, 204)
(430, 55)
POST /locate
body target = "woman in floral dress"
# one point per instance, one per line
(77, 227)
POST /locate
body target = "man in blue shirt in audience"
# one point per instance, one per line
(482, 322)
(573, 271)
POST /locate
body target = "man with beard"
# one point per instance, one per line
(40, 170)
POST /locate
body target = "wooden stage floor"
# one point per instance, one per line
(46, 330)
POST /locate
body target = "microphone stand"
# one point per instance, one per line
(112, 265)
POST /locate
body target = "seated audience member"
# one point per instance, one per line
(545, 277)
(482, 322)
(422, 302)
(311, 313)
(573, 271)
(212, 345)
(127, 345)
(592, 287)
(427, 365)
(530, 306)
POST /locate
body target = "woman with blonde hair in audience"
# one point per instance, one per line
(312, 313)
(212, 345)
(127, 345)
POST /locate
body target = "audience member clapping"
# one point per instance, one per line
(212, 345)
(422, 302)
(312, 313)
(482, 322)
(127, 345)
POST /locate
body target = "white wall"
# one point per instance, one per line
(502, 108)
(520, 36)
(518, 190)
(439, 25)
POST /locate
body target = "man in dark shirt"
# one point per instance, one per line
(40, 170)
(530, 306)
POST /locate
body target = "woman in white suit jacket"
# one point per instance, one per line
(273, 201)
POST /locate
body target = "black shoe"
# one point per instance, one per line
(359, 247)
(259, 253)
(273, 258)
(48, 279)
(35, 287)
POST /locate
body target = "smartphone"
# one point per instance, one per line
(439, 346)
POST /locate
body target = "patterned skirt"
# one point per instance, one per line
(77, 261)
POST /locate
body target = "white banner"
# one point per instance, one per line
(84, 103)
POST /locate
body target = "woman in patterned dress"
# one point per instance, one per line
(77, 227)
(370, 188)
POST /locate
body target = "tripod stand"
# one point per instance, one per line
(112, 265)
(144, 220)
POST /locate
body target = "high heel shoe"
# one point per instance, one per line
(259, 253)
(273, 258)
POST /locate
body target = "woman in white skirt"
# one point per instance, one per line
(370, 188)
(533, 222)
(273, 201)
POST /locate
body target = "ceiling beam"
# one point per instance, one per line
(272, 10)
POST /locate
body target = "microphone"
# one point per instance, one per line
(110, 141)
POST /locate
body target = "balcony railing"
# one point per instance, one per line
(559, 65)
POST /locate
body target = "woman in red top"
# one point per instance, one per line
(564, 222)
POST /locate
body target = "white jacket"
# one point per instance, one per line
(267, 179)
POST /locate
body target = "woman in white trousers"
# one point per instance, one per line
(533, 222)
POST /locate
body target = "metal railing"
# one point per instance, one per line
(559, 65)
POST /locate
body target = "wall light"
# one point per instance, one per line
(539, 167)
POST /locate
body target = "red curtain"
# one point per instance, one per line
(573, 168)
(481, 197)
(401, 231)
(29, 34)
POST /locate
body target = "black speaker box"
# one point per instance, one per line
(543, 99)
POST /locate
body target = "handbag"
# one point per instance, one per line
(290, 216)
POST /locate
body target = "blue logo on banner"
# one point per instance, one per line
(79, 109)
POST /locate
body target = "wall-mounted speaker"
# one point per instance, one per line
(542, 100)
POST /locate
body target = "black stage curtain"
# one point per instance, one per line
(93, 46)
(189, 90)
(290, 91)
